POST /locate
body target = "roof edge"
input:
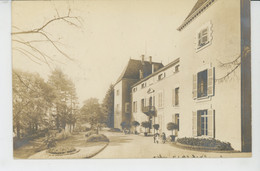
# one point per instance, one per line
(202, 8)
(160, 70)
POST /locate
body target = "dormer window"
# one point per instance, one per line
(134, 89)
(143, 85)
(177, 68)
(161, 76)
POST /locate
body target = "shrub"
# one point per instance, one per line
(172, 126)
(97, 138)
(156, 127)
(50, 141)
(62, 135)
(115, 130)
(203, 142)
(146, 124)
(90, 133)
(61, 150)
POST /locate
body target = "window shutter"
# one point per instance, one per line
(211, 124)
(173, 97)
(210, 82)
(194, 124)
(194, 87)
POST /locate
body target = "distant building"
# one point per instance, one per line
(189, 91)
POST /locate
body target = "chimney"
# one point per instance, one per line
(141, 76)
(150, 59)
(142, 60)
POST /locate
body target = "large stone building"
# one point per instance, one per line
(206, 91)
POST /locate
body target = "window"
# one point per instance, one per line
(204, 36)
(160, 99)
(117, 109)
(203, 123)
(135, 106)
(142, 103)
(175, 97)
(117, 92)
(127, 107)
(134, 89)
(203, 84)
(177, 121)
(161, 76)
(177, 68)
(143, 85)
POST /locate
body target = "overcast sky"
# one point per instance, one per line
(112, 31)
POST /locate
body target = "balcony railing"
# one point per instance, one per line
(148, 110)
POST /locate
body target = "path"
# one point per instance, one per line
(137, 146)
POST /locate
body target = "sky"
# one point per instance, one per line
(110, 33)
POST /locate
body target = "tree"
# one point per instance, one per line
(135, 124)
(30, 42)
(172, 126)
(65, 103)
(32, 98)
(233, 65)
(146, 125)
(108, 106)
(156, 127)
(91, 113)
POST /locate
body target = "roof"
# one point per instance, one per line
(131, 71)
(158, 71)
(200, 6)
(196, 6)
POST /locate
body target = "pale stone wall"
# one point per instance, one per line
(118, 101)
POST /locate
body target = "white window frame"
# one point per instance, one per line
(160, 99)
(198, 36)
(161, 76)
(134, 89)
(143, 85)
(134, 106)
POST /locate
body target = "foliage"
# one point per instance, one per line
(91, 113)
(115, 130)
(89, 133)
(146, 124)
(172, 126)
(215, 144)
(97, 138)
(61, 150)
(32, 98)
(62, 135)
(125, 125)
(50, 141)
(108, 107)
(156, 126)
(135, 123)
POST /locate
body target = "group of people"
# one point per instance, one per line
(157, 137)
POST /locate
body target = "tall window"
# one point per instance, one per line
(202, 83)
(177, 121)
(117, 109)
(142, 103)
(117, 92)
(175, 97)
(135, 106)
(160, 99)
(204, 123)
(127, 107)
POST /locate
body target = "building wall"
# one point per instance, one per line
(118, 105)
(224, 20)
(225, 47)
(165, 86)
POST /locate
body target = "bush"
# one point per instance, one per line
(61, 150)
(62, 135)
(90, 133)
(203, 142)
(50, 141)
(115, 130)
(97, 138)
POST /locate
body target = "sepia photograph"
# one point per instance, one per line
(125, 79)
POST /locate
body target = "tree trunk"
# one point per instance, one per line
(18, 130)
